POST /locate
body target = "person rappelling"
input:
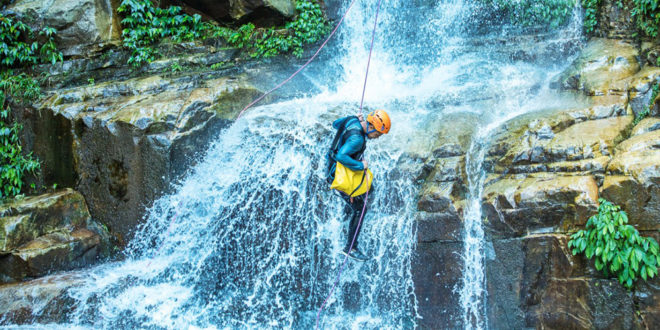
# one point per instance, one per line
(349, 173)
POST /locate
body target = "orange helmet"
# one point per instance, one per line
(380, 121)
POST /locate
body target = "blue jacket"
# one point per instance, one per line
(349, 152)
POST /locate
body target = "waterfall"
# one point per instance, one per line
(520, 99)
(251, 237)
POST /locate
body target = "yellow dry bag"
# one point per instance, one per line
(352, 183)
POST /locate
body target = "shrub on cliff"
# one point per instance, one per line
(647, 16)
(145, 25)
(19, 47)
(591, 9)
(617, 247)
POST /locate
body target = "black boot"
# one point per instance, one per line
(355, 254)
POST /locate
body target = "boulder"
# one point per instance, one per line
(543, 125)
(633, 179)
(51, 252)
(436, 272)
(535, 281)
(516, 206)
(81, 24)
(646, 125)
(22, 221)
(600, 65)
(43, 300)
(48, 233)
(130, 139)
(542, 143)
(640, 88)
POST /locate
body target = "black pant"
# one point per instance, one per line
(353, 212)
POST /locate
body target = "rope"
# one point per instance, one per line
(366, 198)
(282, 84)
(302, 67)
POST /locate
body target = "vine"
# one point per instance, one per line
(616, 246)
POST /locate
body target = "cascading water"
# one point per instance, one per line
(251, 238)
(520, 99)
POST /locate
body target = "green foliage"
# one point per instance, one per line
(13, 164)
(616, 246)
(591, 8)
(218, 65)
(647, 15)
(647, 111)
(16, 52)
(309, 26)
(144, 25)
(529, 12)
(175, 67)
(20, 46)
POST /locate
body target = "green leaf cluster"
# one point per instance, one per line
(19, 47)
(591, 9)
(647, 15)
(13, 163)
(144, 25)
(309, 26)
(551, 13)
(617, 247)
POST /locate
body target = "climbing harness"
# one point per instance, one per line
(366, 197)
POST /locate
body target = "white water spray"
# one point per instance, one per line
(255, 233)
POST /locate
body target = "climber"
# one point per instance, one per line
(347, 148)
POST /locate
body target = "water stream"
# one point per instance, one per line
(251, 237)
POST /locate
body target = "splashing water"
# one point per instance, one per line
(251, 237)
(519, 99)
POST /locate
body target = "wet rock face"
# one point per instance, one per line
(437, 262)
(81, 24)
(545, 172)
(128, 140)
(602, 64)
(42, 300)
(436, 271)
(48, 233)
(536, 281)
